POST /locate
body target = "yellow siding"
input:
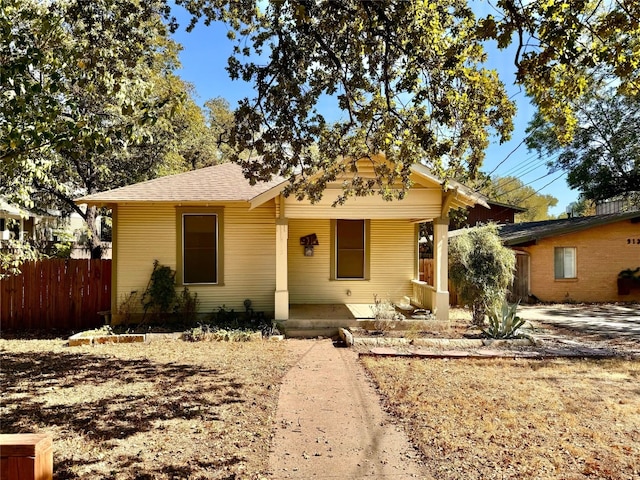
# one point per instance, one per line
(422, 203)
(601, 253)
(392, 259)
(144, 234)
(149, 233)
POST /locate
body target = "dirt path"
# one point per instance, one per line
(330, 424)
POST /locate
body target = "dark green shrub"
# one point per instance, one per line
(628, 273)
(160, 296)
(481, 268)
(187, 305)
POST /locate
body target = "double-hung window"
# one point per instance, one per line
(565, 262)
(200, 250)
(350, 249)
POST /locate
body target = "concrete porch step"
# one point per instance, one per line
(302, 332)
(309, 328)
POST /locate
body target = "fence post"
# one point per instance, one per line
(26, 456)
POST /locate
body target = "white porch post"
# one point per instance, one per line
(441, 267)
(282, 281)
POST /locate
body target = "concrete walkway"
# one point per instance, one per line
(330, 424)
(609, 320)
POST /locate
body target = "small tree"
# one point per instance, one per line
(481, 268)
(13, 254)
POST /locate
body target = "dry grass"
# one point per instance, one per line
(168, 409)
(568, 419)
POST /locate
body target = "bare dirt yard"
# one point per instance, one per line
(171, 409)
(524, 419)
(165, 410)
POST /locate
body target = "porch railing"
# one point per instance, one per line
(423, 294)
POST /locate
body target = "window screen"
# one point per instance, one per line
(200, 248)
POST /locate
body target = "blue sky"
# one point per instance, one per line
(204, 56)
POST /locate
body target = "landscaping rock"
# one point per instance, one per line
(82, 339)
(346, 336)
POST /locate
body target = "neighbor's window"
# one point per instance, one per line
(565, 262)
(200, 248)
(350, 249)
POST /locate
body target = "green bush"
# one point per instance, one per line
(629, 273)
(187, 305)
(481, 268)
(160, 296)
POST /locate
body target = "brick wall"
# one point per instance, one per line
(601, 253)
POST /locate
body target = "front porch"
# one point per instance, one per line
(313, 320)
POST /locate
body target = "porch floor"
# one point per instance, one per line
(312, 320)
(339, 311)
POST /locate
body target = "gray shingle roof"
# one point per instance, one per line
(519, 233)
(219, 183)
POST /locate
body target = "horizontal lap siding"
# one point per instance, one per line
(393, 262)
(309, 276)
(418, 204)
(144, 234)
(149, 233)
(392, 258)
(249, 261)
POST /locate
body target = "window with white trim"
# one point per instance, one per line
(565, 262)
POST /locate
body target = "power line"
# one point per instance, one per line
(508, 155)
(522, 186)
(543, 187)
(525, 169)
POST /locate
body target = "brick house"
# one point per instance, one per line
(575, 259)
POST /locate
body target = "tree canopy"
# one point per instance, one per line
(88, 100)
(513, 191)
(53, 50)
(564, 49)
(603, 159)
(409, 79)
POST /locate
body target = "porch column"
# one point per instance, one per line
(441, 267)
(282, 281)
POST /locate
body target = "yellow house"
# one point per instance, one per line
(229, 241)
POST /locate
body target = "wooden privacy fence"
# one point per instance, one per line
(56, 293)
